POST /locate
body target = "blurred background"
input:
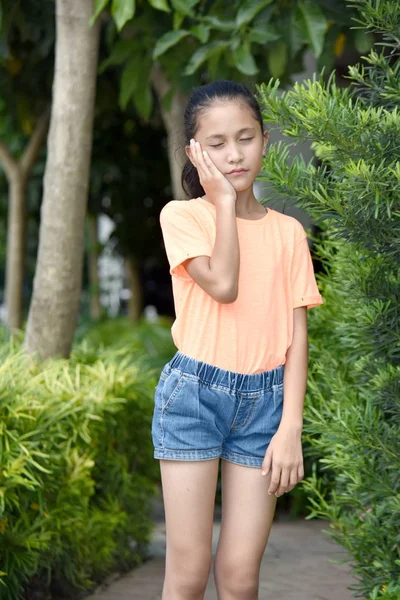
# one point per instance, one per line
(92, 94)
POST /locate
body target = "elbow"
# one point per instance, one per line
(226, 294)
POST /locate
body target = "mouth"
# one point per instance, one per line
(237, 171)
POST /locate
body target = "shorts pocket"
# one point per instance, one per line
(171, 388)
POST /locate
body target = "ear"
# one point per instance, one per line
(189, 155)
(265, 142)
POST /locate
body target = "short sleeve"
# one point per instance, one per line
(304, 286)
(183, 235)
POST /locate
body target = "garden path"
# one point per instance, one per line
(296, 566)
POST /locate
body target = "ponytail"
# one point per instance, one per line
(190, 181)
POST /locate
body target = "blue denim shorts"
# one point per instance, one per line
(202, 412)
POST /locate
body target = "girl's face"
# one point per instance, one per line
(234, 141)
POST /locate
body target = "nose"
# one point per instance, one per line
(234, 154)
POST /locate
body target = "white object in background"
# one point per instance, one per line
(111, 268)
(151, 314)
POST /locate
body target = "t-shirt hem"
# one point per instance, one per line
(177, 263)
(308, 301)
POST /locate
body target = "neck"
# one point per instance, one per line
(246, 202)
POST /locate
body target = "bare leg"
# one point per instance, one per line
(189, 496)
(247, 514)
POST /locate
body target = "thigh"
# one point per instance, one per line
(189, 489)
(247, 515)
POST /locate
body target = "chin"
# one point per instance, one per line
(242, 186)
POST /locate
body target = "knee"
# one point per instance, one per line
(187, 573)
(236, 578)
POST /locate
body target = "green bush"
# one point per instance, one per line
(77, 472)
(352, 416)
(152, 342)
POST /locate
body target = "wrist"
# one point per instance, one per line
(294, 425)
(226, 200)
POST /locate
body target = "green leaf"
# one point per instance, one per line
(185, 7)
(121, 51)
(99, 6)
(166, 41)
(277, 59)
(160, 5)
(363, 41)
(201, 31)
(219, 24)
(249, 9)
(135, 85)
(129, 81)
(178, 20)
(244, 60)
(143, 100)
(122, 11)
(313, 24)
(263, 35)
(203, 54)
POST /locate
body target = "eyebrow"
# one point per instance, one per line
(220, 135)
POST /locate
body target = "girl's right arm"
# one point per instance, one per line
(217, 275)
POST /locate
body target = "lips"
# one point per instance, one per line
(237, 171)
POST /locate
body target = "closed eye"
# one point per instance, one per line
(241, 140)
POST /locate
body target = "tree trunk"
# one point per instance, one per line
(135, 286)
(58, 278)
(15, 252)
(17, 173)
(173, 121)
(93, 271)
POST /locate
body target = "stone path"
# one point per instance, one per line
(296, 566)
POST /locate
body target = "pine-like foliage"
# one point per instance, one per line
(353, 405)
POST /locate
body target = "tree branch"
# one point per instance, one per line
(34, 145)
(160, 81)
(8, 161)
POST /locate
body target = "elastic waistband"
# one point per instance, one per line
(215, 376)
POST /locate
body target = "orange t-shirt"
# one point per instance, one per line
(276, 275)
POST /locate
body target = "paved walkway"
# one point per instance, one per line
(296, 566)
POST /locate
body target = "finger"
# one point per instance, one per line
(210, 164)
(284, 482)
(292, 480)
(266, 465)
(201, 165)
(194, 155)
(300, 472)
(275, 479)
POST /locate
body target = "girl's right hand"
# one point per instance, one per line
(214, 183)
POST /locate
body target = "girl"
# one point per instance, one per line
(242, 281)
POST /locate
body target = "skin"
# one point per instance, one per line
(232, 139)
(229, 137)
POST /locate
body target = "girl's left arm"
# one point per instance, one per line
(284, 454)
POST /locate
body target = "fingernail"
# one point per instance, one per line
(263, 473)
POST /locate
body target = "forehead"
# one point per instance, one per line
(225, 118)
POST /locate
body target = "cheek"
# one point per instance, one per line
(256, 156)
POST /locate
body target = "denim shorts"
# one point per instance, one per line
(202, 412)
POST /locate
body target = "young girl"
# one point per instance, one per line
(242, 281)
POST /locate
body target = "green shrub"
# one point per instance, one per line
(151, 341)
(352, 416)
(76, 470)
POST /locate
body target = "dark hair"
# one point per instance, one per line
(202, 97)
